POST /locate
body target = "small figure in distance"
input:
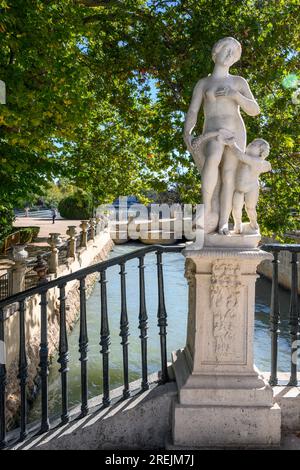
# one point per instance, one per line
(252, 164)
(54, 214)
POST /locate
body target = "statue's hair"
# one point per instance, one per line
(262, 142)
(222, 42)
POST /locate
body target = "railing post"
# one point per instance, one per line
(23, 371)
(97, 225)
(71, 241)
(104, 338)
(63, 358)
(54, 241)
(19, 256)
(143, 323)
(124, 330)
(44, 371)
(2, 383)
(83, 348)
(162, 319)
(274, 320)
(294, 319)
(84, 226)
(41, 269)
(92, 223)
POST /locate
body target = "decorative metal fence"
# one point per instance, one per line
(42, 290)
(294, 311)
(5, 286)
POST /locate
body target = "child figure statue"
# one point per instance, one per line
(251, 164)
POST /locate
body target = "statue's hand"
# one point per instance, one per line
(226, 137)
(230, 141)
(226, 91)
(188, 142)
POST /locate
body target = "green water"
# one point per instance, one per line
(176, 304)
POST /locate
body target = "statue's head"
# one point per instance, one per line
(259, 148)
(226, 51)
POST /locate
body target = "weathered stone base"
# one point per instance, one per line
(223, 400)
(226, 426)
(220, 388)
(221, 410)
(244, 241)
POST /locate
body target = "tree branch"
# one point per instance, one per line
(98, 3)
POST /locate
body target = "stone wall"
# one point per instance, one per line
(96, 251)
(143, 421)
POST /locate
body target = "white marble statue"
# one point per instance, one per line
(222, 95)
(252, 164)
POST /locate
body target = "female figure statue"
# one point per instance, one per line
(222, 95)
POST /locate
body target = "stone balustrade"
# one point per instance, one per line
(19, 272)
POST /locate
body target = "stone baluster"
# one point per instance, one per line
(92, 223)
(84, 226)
(98, 225)
(41, 268)
(54, 241)
(72, 240)
(18, 271)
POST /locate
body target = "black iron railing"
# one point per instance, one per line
(5, 286)
(294, 310)
(42, 290)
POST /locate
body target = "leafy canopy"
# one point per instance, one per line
(97, 91)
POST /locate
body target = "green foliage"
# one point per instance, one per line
(6, 219)
(28, 234)
(55, 192)
(79, 206)
(81, 76)
(20, 236)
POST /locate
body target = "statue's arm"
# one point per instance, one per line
(191, 116)
(254, 162)
(246, 99)
(266, 167)
(242, 156)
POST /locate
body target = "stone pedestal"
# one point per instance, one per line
(72, 241)
(84, 227)
(54, 241)
(18, 271)
(222, 401)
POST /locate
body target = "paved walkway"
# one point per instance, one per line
(46, 225)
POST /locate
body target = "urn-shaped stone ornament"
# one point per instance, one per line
(19, 253)
(84, 227)
(71, 241)
(54, 239)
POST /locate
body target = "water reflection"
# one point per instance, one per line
(262, 339)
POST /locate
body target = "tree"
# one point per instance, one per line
(81, 75)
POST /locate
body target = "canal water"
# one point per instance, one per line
(176, 304)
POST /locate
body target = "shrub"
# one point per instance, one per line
(28, 234)
(76, 207)
(6, 220)
(20, 236)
